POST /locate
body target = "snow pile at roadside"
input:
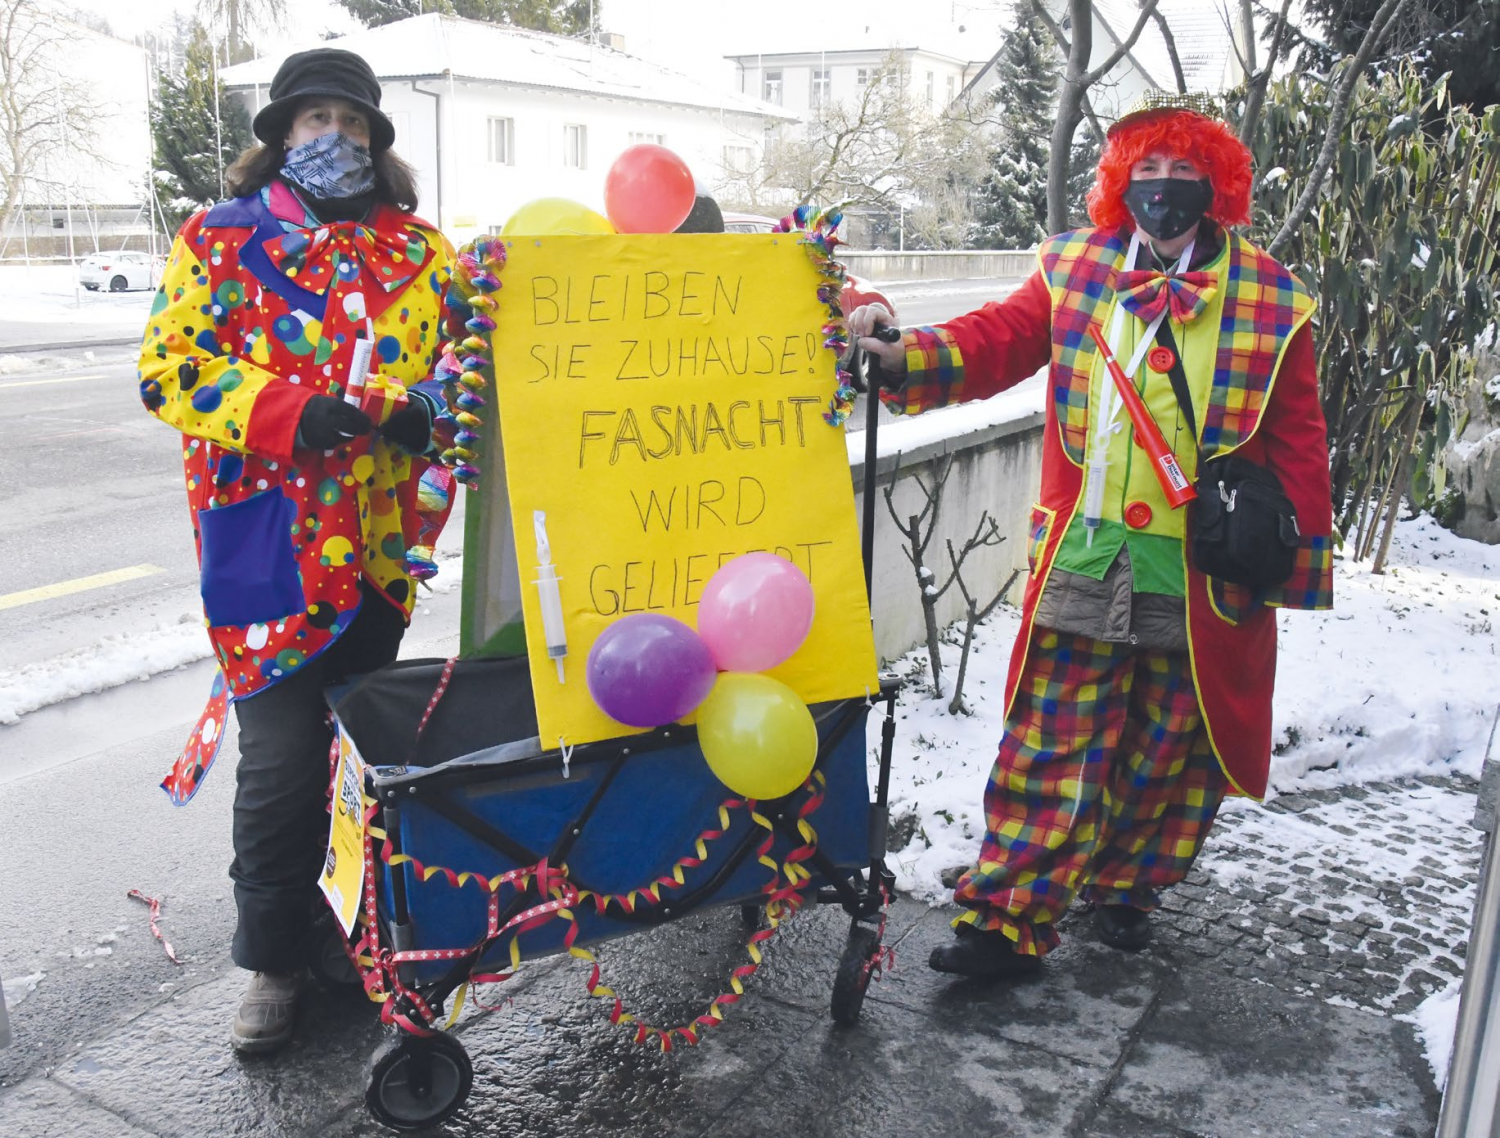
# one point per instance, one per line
(112, 661)
(49, 294)
(1436, 1020)
(1397, 680)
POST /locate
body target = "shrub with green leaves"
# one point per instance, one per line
(1402, 253)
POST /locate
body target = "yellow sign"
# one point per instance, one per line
(661, 403)
(343, 879)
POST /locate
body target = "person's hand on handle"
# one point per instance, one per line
(864, 322)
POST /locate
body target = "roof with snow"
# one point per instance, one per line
(1201, 32)
(430, 46)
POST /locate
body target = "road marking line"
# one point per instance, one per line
(77, 585)
(39, 382)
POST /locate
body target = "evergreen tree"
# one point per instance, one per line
(1460, 37)
(1011, 206)
(565, 17)
(188, 163)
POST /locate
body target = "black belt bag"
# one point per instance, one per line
(1242, 527)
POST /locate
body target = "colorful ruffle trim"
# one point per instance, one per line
(818, 229)
(462, 366)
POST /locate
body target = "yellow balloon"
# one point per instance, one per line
(757, 735)
(545, 216)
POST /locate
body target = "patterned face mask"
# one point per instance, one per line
(331, 166)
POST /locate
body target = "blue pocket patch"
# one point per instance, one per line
(248, 572)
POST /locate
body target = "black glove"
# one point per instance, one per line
(411, 427)
(328, 422)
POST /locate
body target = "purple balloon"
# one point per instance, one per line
(646, 670)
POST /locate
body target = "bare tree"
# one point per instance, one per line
(1338, 115)
(236, 17)
(1258, 79)
(48, 115)
(1167, 38)
(879, 149)
(1076, 80)
(918, 530)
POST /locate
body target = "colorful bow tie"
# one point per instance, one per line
(1146, 294)
(350, 252)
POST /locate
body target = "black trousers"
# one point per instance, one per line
(280, 803)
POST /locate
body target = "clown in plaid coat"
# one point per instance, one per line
(1139, 690)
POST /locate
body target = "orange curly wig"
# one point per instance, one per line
(1221, 156)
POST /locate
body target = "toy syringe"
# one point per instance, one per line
(553, 630)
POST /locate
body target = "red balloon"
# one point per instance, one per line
(648, 190)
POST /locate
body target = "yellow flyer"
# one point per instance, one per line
(343, 879)
(661, 404)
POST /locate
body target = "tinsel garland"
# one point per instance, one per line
(463, 363)
(818, 233)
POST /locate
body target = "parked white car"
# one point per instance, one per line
(120, 271)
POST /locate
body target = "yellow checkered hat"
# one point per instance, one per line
(1157, 101)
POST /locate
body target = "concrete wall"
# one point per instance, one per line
(939, 265)
(996, 468)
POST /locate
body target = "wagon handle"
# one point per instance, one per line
(872, 427)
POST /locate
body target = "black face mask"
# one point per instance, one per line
(1168, 207)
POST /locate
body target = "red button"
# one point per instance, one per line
(1138, 515)
(1160, 360)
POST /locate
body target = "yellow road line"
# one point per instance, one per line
(77, 585)
(39, 382)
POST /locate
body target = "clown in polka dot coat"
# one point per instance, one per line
(257, 312)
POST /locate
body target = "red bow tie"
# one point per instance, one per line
(351, 252)
(1146, 293)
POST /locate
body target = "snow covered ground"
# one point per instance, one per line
(1397, 680)
(50, 294)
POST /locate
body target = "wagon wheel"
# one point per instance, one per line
(853, 975)
(418, 1081)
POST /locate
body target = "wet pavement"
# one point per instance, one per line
(1158, 1044)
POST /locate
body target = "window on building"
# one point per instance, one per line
(575, 146)
(818, 93)
(952, 89)
(502, 137)
(862, 76)
(739, 159)
(930, 91)
(639, 136)
(771, 88)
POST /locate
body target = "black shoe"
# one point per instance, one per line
(1123, 927)
(982, 955)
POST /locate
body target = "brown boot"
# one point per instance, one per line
(267, 1014)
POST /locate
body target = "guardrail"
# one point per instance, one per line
(939, 264)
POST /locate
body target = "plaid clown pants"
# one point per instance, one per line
(1105, 785)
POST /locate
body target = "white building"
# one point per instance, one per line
(800, 69)
(803, 81)
(493, 116)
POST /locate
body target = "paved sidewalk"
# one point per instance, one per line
(1265, 1006)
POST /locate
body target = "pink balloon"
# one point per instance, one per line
(648, 190)
(755, 612)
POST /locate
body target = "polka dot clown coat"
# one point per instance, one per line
(258, 312)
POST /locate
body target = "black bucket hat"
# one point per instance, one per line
(328, 72)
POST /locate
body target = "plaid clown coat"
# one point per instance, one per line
(1263, 406)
